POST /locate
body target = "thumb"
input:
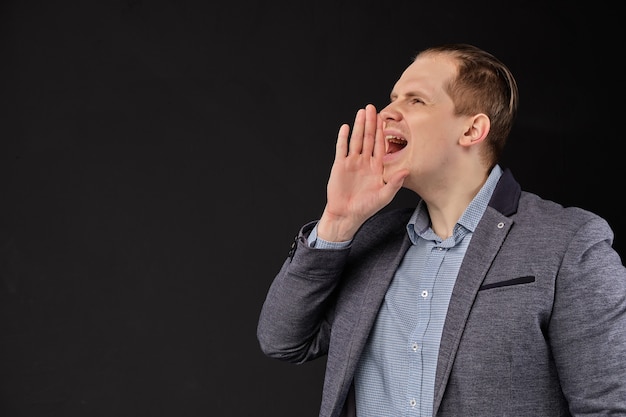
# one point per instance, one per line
(395, 182)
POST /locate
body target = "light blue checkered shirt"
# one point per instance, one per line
(396, 374)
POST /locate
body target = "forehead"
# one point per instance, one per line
(427, 74)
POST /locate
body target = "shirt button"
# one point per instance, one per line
(413, 403)
(424, 293)
(414, 346)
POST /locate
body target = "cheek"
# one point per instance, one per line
(430, 153)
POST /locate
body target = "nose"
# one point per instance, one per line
(390, 112)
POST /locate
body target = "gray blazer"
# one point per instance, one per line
(536, 325)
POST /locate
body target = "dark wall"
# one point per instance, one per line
(157, 157)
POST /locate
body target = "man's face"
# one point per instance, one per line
(420, 127)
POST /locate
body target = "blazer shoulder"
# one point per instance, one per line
(387, 221)
(383, 227)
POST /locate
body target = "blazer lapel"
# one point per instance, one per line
(379, 280)
(486, 242)
(356, 333)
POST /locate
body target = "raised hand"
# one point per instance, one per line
(356, 189)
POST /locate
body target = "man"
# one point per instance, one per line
(484, 300)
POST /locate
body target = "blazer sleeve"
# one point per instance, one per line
(294, 322)
(587, 328)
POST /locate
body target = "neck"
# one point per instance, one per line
(447, 204)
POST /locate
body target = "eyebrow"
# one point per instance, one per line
(410, 94)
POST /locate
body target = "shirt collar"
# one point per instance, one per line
(419, 223)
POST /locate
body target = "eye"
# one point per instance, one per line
(415, 100)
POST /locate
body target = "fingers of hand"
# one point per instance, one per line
(342, 141)
(367, 135)
(356, 139)
(370, 129)
(379, 140)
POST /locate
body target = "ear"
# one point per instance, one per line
(477, 130)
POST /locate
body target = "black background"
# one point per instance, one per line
(157, 158)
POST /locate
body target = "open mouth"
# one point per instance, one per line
(395, 144)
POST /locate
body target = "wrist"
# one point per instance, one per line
(334, 229)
